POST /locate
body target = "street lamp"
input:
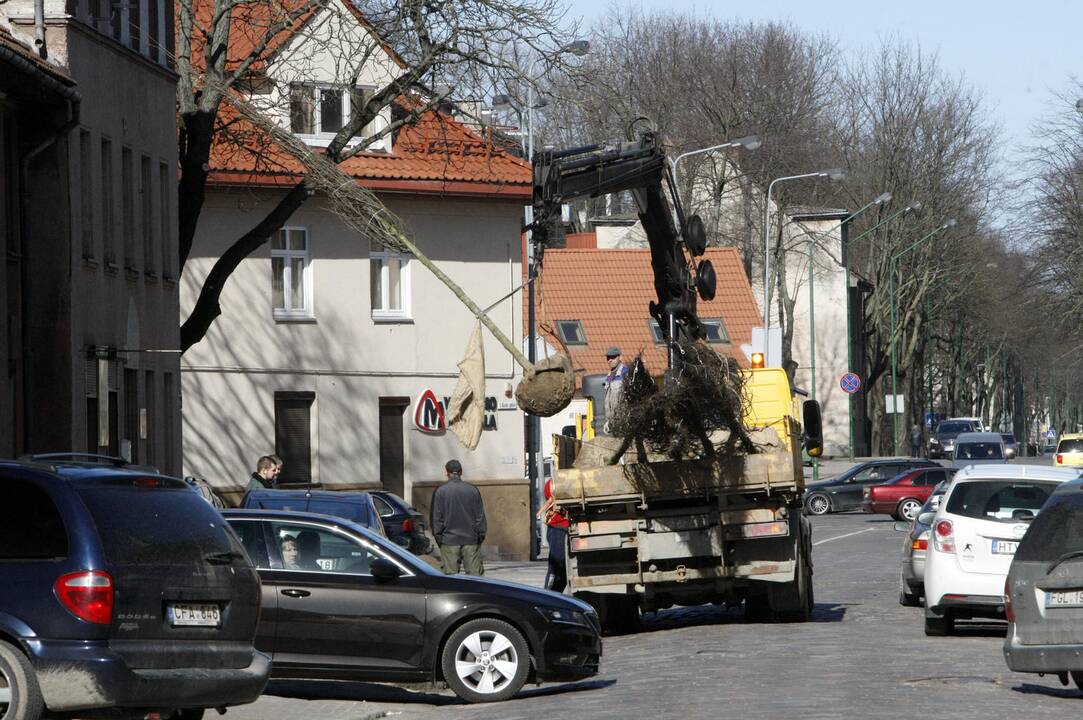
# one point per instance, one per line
(913, 207)
(894, 331)
(835, 174)
(878, 200)
(535, 457)
(751, 142)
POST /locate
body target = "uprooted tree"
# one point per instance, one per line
(393, 62)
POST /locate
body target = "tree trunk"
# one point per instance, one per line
(196, 136)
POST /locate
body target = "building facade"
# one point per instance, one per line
(92, 297)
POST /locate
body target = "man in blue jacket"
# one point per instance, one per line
(458, 522)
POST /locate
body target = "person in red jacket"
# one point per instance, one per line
(556, 579)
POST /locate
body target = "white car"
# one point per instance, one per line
(973, 537)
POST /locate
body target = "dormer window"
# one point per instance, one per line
(319, 111)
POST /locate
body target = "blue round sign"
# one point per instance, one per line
(850, 383)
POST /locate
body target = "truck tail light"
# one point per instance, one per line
(88, 595)
(1009, 611)
(944, 536)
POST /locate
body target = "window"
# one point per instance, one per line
(293, 436)
(134, 24)
(150, 395)
(153, 48)
(164, 231)
(168, 403)
(656, 331)
(716, 330)
(999, 500)
(108, 240)
(127, 190)
(571, 332)
(310, 548)
(146, 227)
(320, 111)
(389, 277)
(291, 287)
(32, 527)
(131, 413)
(86, 193)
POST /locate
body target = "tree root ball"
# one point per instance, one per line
(548, 387)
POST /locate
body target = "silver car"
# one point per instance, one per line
(912, 569)
(977, 448)
(1044, 591)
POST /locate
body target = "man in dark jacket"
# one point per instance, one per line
(458, 522)
(265, 477)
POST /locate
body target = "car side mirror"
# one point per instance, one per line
(902, 526)
(813, 426)
(926, 518)
(382, 569)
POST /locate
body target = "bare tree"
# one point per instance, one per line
(423, 52)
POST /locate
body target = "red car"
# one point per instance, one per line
(903, 495)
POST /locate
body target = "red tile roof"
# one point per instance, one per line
(436, 155)
(608, 291)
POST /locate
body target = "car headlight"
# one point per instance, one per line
(564, 616)
(934, 441)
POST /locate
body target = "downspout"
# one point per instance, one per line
(74, 102)
(39, 29)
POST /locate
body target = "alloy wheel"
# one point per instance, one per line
(486, 662)
(5, 694)
(819, 505)
(909, 509)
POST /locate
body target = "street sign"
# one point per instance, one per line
(850, 383)
(893, 404)
(1050, 433)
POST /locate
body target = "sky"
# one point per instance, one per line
(1016, 53)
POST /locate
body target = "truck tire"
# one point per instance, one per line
(618, 614)
(794, 601)
(18, 679)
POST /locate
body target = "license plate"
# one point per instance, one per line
(194, 614)
(1005, 547)
(1064, 598)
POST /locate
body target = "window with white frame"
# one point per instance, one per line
(319, 111)
(291, 274)
(389, 277)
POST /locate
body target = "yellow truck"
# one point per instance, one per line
(725, 529)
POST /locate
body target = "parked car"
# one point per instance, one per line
(977, 448)
(356, 506)
(121, 591)
(915, 548)
(975, 533)
(365, 609)
(1011, 446)
(1043, 596)
(403, 525)
(902, 496)
(1069, 450)
(846, 491)
(942, 443)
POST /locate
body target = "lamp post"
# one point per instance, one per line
(835, 174)
(751, 142)
(911, 208)
(879, 200)
(894, 330)
(535, 456)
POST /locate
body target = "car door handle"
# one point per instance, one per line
(295, 593)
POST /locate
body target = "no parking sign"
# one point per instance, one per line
(850, 383)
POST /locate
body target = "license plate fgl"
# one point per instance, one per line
(194, 614)
(1064, 598)
(1005, 547)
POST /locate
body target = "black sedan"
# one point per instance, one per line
(341, 603)
(846, 491)
(403, 524)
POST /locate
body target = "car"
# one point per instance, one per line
(1043, 594)
(975, 533)
(1069, 450)
(942, 442)
(902, 496)
(359, 608)
(846, 491)
(357, 506)
(122, 592)
(915, 548)
(1011, 446)
(977, 448)
(403, 524)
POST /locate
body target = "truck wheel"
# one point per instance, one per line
(485, 660)
(794, 601)
(623, 614)
(908, 509)
(757, 606)
(818, 504)
(20, 696)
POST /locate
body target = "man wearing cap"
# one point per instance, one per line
(458, 522)
(617, 372)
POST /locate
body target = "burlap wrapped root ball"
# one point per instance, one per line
(548, 387)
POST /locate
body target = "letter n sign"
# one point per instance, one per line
(429, 413)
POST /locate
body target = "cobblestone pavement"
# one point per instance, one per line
(863, 656)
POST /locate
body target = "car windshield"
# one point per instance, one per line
(978, 451)
(404, 556)
(1009, 439)
(1070, 446)
(954, 427)
(999, 500)
(1056, 531)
